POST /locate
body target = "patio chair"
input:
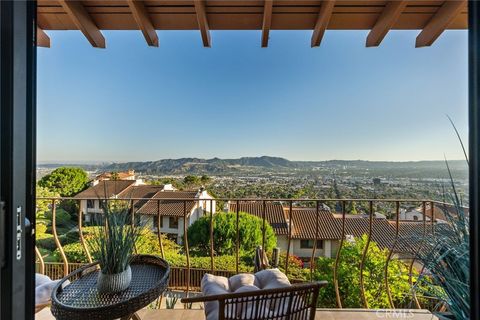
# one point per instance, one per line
(296, 302)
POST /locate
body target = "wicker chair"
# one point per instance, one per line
(297, 302)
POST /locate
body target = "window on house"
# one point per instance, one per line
(155, 222)
(173, 222)
(415, 218)
(308, 244)
(90, 204)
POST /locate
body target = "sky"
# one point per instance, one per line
(131, 102)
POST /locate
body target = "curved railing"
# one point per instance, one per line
(209, 208)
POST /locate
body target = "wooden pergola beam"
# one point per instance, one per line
(143, 21)
(439, 22)
(43, 40)
(322, 22)
(267, 22)
(385, 22)
(202, 22)
(84, 22)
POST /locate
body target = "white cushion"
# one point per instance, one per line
(43, 292)
(212, 285)
(271, 279)
(41, 279)
(241, 280)
(265, 279)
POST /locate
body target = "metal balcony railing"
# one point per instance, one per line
(188, 277)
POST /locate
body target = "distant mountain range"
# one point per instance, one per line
(265, 164)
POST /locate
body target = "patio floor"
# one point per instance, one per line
(322, 314)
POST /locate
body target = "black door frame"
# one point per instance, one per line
(18, 152)
(17, 157)
(474, 146)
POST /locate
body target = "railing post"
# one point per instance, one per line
(80, 233)
(263, 227)
(237, 242)
(212, 263)
(40, 260)
(159, 222)
(185, 240)
(364, 256)
(57, 240)
(390, 254)
(314, 249)
(337, 259)
(290, 215)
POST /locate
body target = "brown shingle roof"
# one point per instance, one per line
(105, 189)
(171, 208)
(304, 224)
(274, 214)
(382, 233)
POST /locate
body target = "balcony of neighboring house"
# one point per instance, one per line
(313, 243)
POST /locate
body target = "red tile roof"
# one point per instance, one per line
(172, 208)
(105, 189)
(304, 224)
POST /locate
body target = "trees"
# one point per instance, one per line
(65, 181)
(225, 234)
(374, 272)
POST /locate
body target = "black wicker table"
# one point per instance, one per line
(80, 299)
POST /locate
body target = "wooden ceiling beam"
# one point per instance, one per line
(439, 22)
(143, 21)
(267, 22)
(321, 25)
(385, 22)
(83, 22)
(202, 22)
(43, 40)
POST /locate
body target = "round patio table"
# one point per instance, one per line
(80, 300)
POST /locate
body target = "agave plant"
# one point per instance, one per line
(113, 243)
(445, 254)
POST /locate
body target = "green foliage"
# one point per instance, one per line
(225, 234)
(446, 257)
(65, 181)
(374, 271)
(44, 205)
(63, 218)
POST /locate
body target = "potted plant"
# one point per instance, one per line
(113, 244)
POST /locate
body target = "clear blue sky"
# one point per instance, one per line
(130, 102)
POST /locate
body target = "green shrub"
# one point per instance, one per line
(374, 271)
(225, 234)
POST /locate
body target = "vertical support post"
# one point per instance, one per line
(237, 241)
(159, 222)
(212, 263)
(17, 158)
(185, 242)
(290, 215)
(264, 208)
(364, 256)
(337, 260)
(314, 249)
(80, 233)
(474, 156)
(57, 240)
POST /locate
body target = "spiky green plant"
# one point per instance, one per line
(114, 242)
(445, 254)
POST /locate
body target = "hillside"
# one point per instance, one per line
(266, 164)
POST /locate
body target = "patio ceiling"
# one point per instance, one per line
(90, 17)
